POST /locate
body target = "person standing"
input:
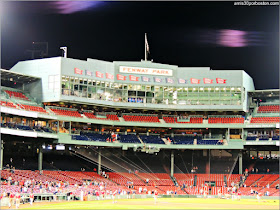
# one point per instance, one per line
(31, 198)
(17, 200)
(155, 196)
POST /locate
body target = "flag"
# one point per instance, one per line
(156, 79)
(121, 77)
(207, 81)
(109, 76)
(195, 81)
(88, 73)
(182, 81)
(133, 78)
(78, 71)
(145, 79)
(99, 74)
(220, 81)
(169, 80)
(146, 43)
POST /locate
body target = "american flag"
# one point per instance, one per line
(146, 43)
(133, 78)
(182, 81)
(220, 81)
(121, 77)
(169, 80)
(195, 81)
(145, 79)
(207, 81)
(99, 74)
(156, 79)
(88, 73)
(109, 76)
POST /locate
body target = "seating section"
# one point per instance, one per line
(156, 179)
(8, 104)
(268, 108)
(153, 139)
(205, 178)
(275, 138)
(251, 138)
(265, 180)
(129, 139)
(108, 116)
(175, 120)
(265, 119)
(33, 108)
(136, 118)
(74, 181)
(209, 142)
(187, 179)
(66, 112)
(226, 120)
(252, 179)
(126, 179)
(172, 190)
(16, 94)
(87, 136)
(185, 139)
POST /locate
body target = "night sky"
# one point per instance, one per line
(188, 34)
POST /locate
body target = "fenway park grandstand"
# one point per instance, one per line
(74, 128)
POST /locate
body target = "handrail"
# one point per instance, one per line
(61, 108)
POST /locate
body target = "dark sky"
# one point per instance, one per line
(179, 33)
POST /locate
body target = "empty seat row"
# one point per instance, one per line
(33, 108)
(69, 113)
(153, 139)
(8, 104)
(17, 95)
(226, 120)
(140, 118)
(108, 116)
(175, 120)
(269, 108)
(129, 139)
(265, 119)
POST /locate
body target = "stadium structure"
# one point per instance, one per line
(135, 127)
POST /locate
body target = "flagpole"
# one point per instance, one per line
(145, 47)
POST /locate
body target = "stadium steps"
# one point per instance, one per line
(162, 121)
(165, 141)
(121, 119)
(140, 140)
(275, 181)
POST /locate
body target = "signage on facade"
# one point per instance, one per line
(151, 71)
(78, 71)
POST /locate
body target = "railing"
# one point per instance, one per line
(140, 114)
(178, 116)
(100, 113)
(61, 108)
(225, 116)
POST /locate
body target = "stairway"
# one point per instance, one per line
(140, 140)
(165, 141)
(255, 181)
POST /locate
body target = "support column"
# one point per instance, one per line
(172, 164)
(1, 154)
(70, 128)
(40, 159)
(207, 169)
(228, 135)
(240, 163)
(99, 162)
